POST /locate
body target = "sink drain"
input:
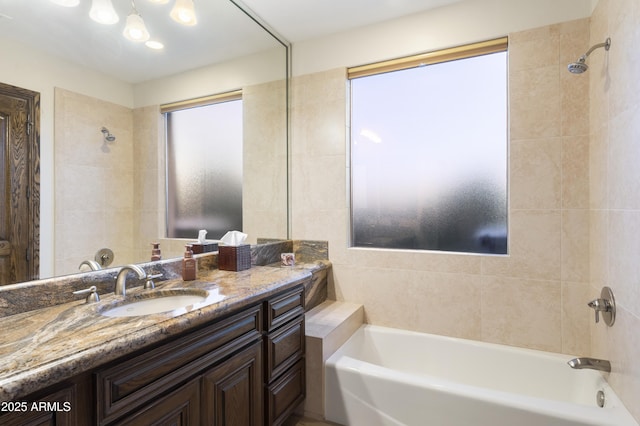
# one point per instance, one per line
(600, 399)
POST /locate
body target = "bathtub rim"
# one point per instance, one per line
(614, 410)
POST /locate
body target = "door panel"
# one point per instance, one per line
(19, 184)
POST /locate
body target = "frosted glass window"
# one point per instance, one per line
(204, 170)
(429, 157)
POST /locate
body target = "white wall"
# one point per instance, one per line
(218, 78)
(460, 23)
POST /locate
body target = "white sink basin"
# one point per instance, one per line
(158, 302)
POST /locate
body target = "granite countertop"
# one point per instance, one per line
(43, 347)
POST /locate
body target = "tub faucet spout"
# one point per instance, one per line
(95, 266)
(592, 363)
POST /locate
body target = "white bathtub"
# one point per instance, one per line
(384, 376)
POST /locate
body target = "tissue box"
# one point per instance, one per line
(234, 258)
(198, 248)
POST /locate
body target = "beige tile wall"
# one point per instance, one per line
(106, 195)
(113, 195)
(93, 180)
(536, 296)
(614, 189)
(149, 181)
(574, 205)
(264, 187)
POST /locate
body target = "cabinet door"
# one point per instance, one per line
(56, 409)
(232, 391)
(285, 393)
(178, 408)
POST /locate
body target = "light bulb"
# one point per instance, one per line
(184, 12)
(154, 44)
(135, 30)
(102, 11)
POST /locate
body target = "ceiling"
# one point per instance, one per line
(298, 20)
(223, 32)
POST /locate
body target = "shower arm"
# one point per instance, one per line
(606, 45)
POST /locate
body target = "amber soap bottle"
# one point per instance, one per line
(188, 265)
(155, 252)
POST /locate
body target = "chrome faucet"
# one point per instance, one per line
(592, 363)
(121, 287)
(95, 266)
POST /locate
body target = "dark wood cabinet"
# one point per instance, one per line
(285, 393)
(284, 355)
(66, 404)
(134, 382)
(232, 391)
(180, 407)
(284, 347)
(246, 369)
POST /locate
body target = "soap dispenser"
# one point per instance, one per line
(155, 252)
(188, 265)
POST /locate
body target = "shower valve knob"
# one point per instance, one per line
(605, 304)
(599, 305)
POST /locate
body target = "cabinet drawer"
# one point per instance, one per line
(284, 307)
(284, 394)
(284, 347)
(135, 381)
(180, 407)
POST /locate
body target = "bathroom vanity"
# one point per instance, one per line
(237, 359)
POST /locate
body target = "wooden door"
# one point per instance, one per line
(19, 184)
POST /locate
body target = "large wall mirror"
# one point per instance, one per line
(103, 150)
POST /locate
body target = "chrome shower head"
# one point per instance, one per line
(580, 66)
(107, 135)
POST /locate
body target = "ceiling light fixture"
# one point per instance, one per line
(66, 3)
(154, 44)
(135, 29)
(102, 11)
(184, 13)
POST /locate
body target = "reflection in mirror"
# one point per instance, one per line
(204, 168)
(19, 184)
(100, 193)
